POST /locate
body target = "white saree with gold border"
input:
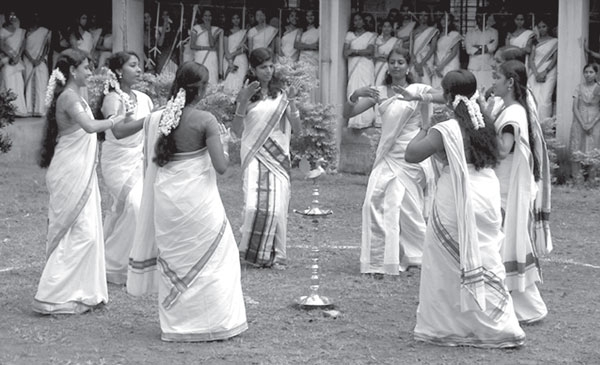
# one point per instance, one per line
(361, 72)
(199, 289)
(74, 277)
(393, 212)
(463, 300)
(121, 162)
(266, 168)
(518, 191)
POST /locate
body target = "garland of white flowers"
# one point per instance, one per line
(473, 109)
(112, 82)
(56, 75)
(170, 116)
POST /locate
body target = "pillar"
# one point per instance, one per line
(573, 24)
(334, 21)
(128, 26)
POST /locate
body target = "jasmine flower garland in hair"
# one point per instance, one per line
(170, 116)
(56, 75)
(112, 82)
(472, 108)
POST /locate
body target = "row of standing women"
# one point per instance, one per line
(224, 52)
(160, 234)
(462, 216)
(435, 51)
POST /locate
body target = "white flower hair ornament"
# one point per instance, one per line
(473, 109)
(170, 116)
(112, 82)
(56, 76)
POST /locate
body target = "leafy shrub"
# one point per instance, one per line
(317, 138)
(7, 117)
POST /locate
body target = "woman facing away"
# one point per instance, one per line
(12, 40)
(74, 277)
(290, 33)
(35, 58)
(446, 51)
(265, 117)
(199, 290)
(121, 161)
(236, 61)
(518, 172)
(463, 300)
(542, 69)
(205, 42)
(384, 44)
(262, 35)
(359, 47)
(585, 130)
(393, 223)
(423, 46)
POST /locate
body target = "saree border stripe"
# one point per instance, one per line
(74, 213)
(266, 132)
(180, 285)
(492, 282)
(203, 337)
(274, 150)
(141, 265)
(515, 341)
(258, 249)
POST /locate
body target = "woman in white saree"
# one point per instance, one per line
(393, 221)
(519, 171)
(542, 70)
(447, 51)
(423, 42)
(288, 38)
(384, 44)
(74, 277)
(206, 40)
(199, 290)
(359, 48)
(262, 35)
(35, 58)
(521, 37)
(265, 118)
(463, 300)
(12, 38)
(308, 45)
(236, 61)
(121, 162)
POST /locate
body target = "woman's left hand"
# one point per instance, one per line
(406, 94)
(293, 89)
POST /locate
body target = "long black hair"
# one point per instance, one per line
(516, 70)
(190, 77)
(66, 59)
(257, 58)
(480, 143)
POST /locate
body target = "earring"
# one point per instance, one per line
(119, 75)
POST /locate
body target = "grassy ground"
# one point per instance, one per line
(377, 316)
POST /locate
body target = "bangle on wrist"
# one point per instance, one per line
(112, 122)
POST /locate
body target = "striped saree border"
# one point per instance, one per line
(454, 341)
(180, 285)
(204, 337)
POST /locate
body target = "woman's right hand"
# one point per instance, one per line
(366, 92)
(249, 89)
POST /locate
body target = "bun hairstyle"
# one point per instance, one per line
(66, 59)
(257, 58)
(190, 78)
(480, 144)
(516, 70)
